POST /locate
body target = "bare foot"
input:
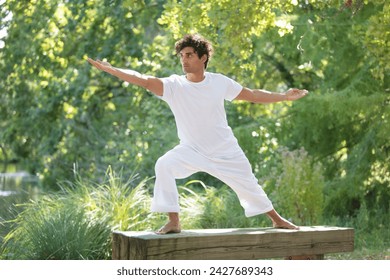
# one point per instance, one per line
(280, 222)
(285, 224)
(169, 227)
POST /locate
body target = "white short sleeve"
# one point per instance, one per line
(168, 88)
(233, 89)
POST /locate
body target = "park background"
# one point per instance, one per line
(78, 146)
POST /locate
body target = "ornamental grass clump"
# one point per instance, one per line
(77, 223)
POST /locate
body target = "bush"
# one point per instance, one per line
(77, 223)
(55, 229)
(298, 187)
(214, 207)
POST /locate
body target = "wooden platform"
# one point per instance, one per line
(233, 244)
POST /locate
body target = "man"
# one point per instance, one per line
(207, 143)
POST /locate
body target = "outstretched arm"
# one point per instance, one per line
(263, 96)
(150, 83)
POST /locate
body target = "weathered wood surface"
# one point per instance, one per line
(234, 244)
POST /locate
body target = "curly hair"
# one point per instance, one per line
(201, 46)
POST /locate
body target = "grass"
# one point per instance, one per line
(361, 254)
(55, 230)
(77, 223)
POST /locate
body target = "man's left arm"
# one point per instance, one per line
(264, 96)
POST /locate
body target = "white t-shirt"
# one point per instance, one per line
(200, 114)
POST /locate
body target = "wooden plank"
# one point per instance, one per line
(115, 246)
(138, 249)
(124, 248)
(235, 243)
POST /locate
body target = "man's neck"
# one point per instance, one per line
(195, 77)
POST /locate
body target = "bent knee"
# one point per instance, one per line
(163, 164)
(174, 166)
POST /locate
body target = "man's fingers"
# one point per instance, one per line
(101, 65)
(295, 93)
(97, 63)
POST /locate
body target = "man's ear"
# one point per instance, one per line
(203, 58)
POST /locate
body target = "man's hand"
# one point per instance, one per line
(294, 94)
(101, 65)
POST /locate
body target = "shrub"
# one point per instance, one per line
(298, 190)
(56, 229)
(77, 223)
(215, 207)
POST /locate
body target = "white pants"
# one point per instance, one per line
(234, 171)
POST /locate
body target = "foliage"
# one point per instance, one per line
(298, 187)
(55, 230)
(376, 40)
(54, 111)
(345, 124)
(77, 223)
(230, 25)
(372, 231)
(211, 207)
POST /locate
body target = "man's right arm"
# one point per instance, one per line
(150, 83)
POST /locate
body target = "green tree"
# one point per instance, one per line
(345, 123)
(55, 110)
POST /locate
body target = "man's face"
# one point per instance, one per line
(190, 61)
